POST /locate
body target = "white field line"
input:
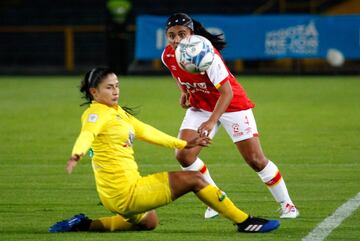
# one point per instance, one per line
(330, 223)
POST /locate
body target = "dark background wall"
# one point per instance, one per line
(67, 36)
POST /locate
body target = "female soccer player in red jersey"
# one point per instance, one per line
(111, 132)
(215, 98)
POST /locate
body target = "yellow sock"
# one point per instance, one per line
(113, 223)
(217, 200)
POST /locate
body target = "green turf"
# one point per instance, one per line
(310, 126)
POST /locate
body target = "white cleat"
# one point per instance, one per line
(210, 213)
(288, 210)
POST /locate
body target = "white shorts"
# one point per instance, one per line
(239, 125)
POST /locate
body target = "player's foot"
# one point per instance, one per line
(257, 225)
(210, 213)
(288, 210)
(78, 222)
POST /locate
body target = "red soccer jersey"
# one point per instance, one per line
(203, 88)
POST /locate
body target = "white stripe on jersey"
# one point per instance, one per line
(217, 71)
(162, 58)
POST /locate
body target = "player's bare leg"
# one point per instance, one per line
(189, 160)
(149, 222)
(119, 223)
(180, 183)
(186, 181)
(269, 173)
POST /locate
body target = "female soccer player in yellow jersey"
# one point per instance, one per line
(110, 131)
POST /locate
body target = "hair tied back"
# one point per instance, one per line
(90, 77)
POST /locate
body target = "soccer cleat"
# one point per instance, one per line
(288, 210)
(210, 213)
(257, 225)
(76, 223)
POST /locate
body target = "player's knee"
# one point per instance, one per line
(198, 181)
(150, 221)
(183, 157)
(257, 162)
(180, 155)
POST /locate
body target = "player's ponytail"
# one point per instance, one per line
(217, 40)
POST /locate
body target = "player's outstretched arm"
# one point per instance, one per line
(198, 141)
(72, 162)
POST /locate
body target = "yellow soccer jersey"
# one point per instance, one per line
(110, 132)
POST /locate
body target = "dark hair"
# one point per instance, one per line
(92, 79)
(179, 19)
(217, 40)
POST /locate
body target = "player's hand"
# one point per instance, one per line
(184, 100)
(72, 162)
(205, 128)
(198, 141)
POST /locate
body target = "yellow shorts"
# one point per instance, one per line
(145, 194)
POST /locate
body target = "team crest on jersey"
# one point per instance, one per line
(131, 137)
(130, 140)
(92, 118)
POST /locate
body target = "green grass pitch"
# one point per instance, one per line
(309, 126)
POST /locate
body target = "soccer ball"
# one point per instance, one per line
(194, 54)
(335, 57)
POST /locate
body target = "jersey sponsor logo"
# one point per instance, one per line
(131, 137)
(92, 118)
(194, 87)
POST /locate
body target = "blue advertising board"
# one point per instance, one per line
(262, 37)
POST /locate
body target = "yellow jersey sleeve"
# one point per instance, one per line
(83, 143)
(92, 122)
(152, 135)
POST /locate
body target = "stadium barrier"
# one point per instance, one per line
(68, 31)
(262, 37)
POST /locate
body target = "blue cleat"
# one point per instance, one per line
(78, 222)
(257, 225)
